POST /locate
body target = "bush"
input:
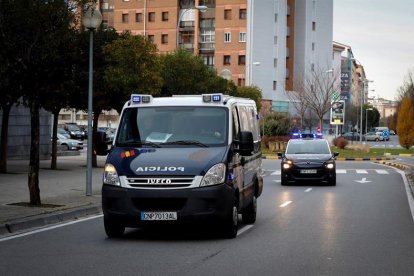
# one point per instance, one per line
(340, 142)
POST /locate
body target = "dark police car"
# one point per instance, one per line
(308, 160)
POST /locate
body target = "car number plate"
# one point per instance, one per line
(308, 171)
(158, 215)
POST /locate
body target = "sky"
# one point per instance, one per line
(381, 35)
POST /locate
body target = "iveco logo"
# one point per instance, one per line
(160, 169)
(158, 181)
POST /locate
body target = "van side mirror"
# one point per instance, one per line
(101, 143)
(246, 144)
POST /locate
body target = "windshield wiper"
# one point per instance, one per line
(140, 144)
(186, 142)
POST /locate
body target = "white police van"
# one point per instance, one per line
(183, 159)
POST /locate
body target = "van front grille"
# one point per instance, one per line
(160, 181)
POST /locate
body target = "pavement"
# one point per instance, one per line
(63, 192)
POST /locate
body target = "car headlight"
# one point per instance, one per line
(287, 164)
(330, 165)
(215, 175)
(110, 175)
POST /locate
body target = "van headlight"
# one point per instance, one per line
(215, 175)
(110, 175)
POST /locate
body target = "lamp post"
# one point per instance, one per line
(364, 82)
(366, 119)
(199, 8)
(91, 19)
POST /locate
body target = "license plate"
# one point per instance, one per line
(308, 171)
(158, 215)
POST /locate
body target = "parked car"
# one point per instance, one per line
(74, 131)
(374, 136)
(308, 160)
(392, 132)
(63, 132)
(71, 144)
(352, 136)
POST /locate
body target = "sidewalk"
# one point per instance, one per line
(62, 193)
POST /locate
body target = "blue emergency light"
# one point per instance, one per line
(215, 98)
(137, 99)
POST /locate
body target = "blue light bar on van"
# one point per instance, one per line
(214, 98)
(138, 99)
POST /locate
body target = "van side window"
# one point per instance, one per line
(244, 119)
(236, 127)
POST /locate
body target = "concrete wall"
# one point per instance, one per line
(19, 137)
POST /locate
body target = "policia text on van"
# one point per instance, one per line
(183, 159)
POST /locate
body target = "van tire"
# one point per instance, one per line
(113, 229)
(230, 224)
(249, 214)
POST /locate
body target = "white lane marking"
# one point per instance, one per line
(49, 228)
(363, 180)
(408, 191)
(308, 190)
(276, 172)
(340, 171)
(285, 204)
(361, 171)
(244, 229)
(277, 181)
(382, 171)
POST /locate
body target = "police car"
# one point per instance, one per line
(308, 160)
(181, 159)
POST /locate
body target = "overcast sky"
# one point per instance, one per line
(381, 35)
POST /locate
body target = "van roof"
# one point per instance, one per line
(187, 100)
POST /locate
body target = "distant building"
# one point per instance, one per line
(266, 43)
(385, 107)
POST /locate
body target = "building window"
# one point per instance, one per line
(207, 36)
(275, 39)
(242, 37)
(151, 16)
(313, 26)
(227, 37)
(138, 17)
(226, 60)
(125, 18)
(274, 85)
(275, 17)
(164, 16)
(242, 14)
(227, 14)
(151, 38)
(279, 106)
(242, 60)
(164, 39)
(313, 46)
(240, 82)
(208, 60)
(313, 67)
(275, 62)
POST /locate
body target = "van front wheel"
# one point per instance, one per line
(113, 229)
(230, 224)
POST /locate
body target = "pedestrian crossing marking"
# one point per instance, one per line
(341, 171)
(361, 172)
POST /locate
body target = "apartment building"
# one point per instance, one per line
(266, 43)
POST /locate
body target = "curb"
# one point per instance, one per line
(19, 225)
(408, 171)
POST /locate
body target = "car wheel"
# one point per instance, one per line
(230, 224)
(283, 181)
(249, 214)
(376, 139)
(113, 229)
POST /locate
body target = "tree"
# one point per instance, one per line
(317, 91)
(32, 28)
(133, 66)
(277, 124)
(405, 124)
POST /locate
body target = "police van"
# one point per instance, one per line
(183, 159)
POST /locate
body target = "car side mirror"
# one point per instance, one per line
(280, 154)
(335, 154)
(246, 144)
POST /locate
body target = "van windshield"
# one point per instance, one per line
(178, 126)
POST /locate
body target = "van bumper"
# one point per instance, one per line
(124, 205)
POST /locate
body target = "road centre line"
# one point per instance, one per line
(244, 229)
(285, 204)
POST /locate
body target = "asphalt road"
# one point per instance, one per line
(363, 226)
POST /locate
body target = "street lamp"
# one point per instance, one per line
(364, 82)
(91, 19)
(199, 8)
(366, 119)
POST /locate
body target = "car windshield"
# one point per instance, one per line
(308, 147)
(173, 127)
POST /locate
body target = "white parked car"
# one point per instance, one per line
(70, 143)
(374, 136)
